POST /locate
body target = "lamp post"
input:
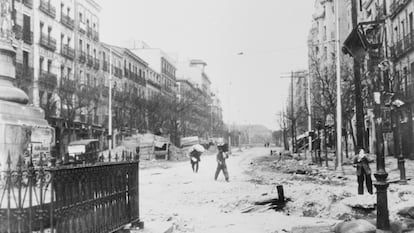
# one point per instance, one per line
(363, 38)
(401, 161)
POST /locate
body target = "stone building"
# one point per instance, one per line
(400, 28)
(57, 45)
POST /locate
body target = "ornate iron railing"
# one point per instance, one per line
(101, 197)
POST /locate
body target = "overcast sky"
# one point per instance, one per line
(271, 34)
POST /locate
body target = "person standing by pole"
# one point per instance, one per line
(363, 172)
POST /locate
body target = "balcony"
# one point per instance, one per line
(89, 31)
(403, 46)
(126, 73)
(47, 79)
(28, 3)
(140, 80)
(67, 52)
(154, 84)
(67, 21)
(96, 64)
(28, 37)
(82, 27)
(82, 57)
(398, 6)
(47, 42)
(47, 8)
(68, 85)
(90, 61)
(117, 72)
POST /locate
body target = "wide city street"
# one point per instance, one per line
(172, 195)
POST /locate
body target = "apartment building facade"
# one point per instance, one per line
(400, 28)
(161, 65)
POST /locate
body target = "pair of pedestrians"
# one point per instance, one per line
(220, 158)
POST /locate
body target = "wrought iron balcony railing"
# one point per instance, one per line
(82, 57)
(67, 21)
(48, 42)
(68, 52)
(90, 61)
(47, 79)
(151, 82)
(403, 46)
(89, 31)
(47, 8)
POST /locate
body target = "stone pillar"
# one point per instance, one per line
(20, 123)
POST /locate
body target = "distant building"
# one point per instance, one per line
(159, 62)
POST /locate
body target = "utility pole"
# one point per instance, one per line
(338, 93)
(292, 114)
(110, 102)
(359, 104)
(309, 116)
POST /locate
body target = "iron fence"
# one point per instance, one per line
(100, 197)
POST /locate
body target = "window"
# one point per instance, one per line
(81, 45)
(80, 17)
(26, 24)
(88, 79)
(62, 72)
(41, 59)
(25, 59)
(49, 66)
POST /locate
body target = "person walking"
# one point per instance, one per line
(195, 159)
(221, 163)
(195, 153)
(363, 172)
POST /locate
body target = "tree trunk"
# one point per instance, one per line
(352, 135)
(346, 144)
(325, 144)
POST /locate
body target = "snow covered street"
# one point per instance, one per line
(194, 202)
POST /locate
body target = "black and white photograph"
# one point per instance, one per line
(206, 116)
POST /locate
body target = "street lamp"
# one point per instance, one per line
(397, 103)
(361, 40)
